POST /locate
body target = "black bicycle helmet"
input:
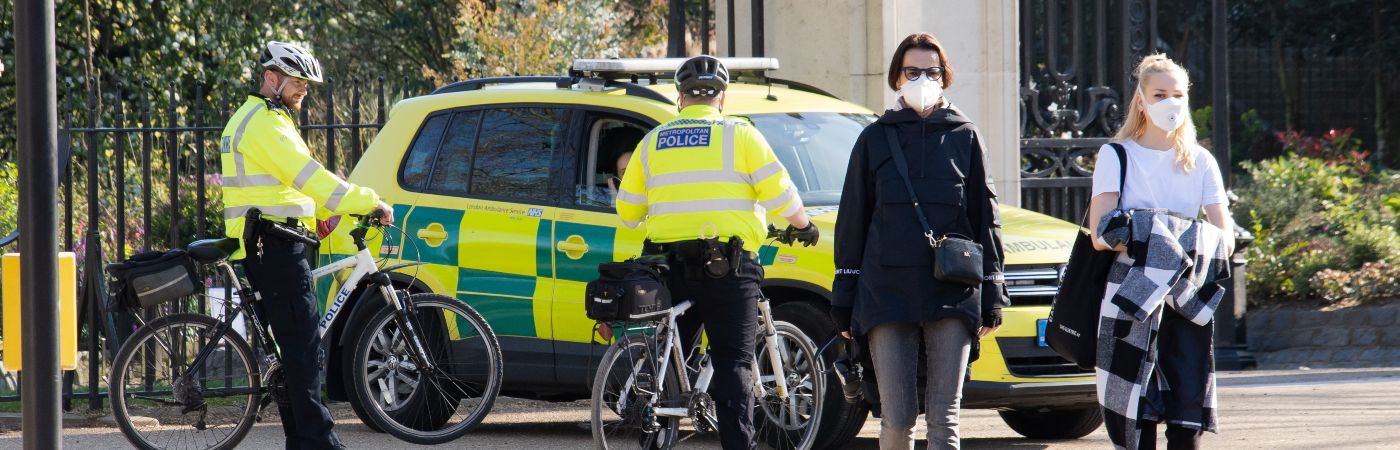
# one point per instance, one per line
(703, 76)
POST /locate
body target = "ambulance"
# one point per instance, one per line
(502, 186)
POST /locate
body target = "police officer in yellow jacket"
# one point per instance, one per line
(267, 168)
(698, 181)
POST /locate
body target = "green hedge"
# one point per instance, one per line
(1310, 215)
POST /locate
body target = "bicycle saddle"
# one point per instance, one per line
(210, 250)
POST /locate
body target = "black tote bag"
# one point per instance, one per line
(1072, 329)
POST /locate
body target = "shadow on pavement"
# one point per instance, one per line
(1267, 378)
(871, 443)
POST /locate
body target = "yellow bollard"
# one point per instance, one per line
(67, 311)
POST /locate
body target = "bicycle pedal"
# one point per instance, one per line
(644, 382)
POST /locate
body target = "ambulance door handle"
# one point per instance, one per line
(574, 247)
(433, 234)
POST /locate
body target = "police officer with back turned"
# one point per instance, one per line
(697, 181)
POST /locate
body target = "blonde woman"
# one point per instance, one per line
(1170, 349)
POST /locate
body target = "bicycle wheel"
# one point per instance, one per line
(160, 403)
(434, 404)
(624, 399)
(788, 423)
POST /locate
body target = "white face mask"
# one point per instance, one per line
(1169, 113)
(921, 93)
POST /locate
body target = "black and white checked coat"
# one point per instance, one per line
(1175, 267)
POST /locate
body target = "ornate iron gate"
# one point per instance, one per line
(1076, 63)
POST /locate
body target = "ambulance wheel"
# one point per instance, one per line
(1054, 423)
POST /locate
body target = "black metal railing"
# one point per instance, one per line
(1076, 63)
(146, 164)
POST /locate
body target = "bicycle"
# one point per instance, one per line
(645, 387)
(427, 367)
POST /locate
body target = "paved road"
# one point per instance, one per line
(1335, 409)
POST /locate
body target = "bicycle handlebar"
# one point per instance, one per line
(370, 220)
(783, 236)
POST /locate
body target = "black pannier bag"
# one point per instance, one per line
(153, 277)
(626, 291)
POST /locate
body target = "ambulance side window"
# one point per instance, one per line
(418, 164)
(607, 138)
(514, 150)
(454, 158)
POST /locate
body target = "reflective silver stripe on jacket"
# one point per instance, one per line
(252, 181)
(782, 199)
(306, 173)
(696, 206)
(636, 199)
(646, 168)
(238, 140)
(728, 146)
(333, 202)
(236, 212)
(696, 176)
(762, 173)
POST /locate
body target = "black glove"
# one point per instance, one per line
(841, 316)
(807, 236)
(991, 318)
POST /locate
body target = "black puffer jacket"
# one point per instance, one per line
(883, 261)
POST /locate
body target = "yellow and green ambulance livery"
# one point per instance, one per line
(501, 186)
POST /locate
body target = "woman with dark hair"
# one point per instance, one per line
(918, 176)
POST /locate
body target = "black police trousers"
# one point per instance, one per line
(282, 276)
(727, 308)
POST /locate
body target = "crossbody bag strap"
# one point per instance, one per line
(1122, 169)
(903, 167)
(1122, 177)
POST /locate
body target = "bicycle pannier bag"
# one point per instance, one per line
(1073, 325)
(626, 291)
(151, 278)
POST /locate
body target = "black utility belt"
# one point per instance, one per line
(290, 230)
(717, 258)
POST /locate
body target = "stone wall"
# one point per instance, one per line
(844, 47)
(1354, 337)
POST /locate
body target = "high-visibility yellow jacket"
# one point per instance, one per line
(266, 165)
(703, 175)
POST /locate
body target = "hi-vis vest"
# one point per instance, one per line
(266, 165)
(702, 175)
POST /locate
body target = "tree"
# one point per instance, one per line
(1339, 27)
(532, 37)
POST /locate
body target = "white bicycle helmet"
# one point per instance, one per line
(292, 60)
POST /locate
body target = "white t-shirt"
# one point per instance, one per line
(1156, 181)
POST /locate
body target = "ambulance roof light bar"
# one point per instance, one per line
(628, 66)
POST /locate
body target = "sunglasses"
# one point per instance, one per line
(911, 73)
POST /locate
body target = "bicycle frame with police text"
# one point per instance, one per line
(363, 264)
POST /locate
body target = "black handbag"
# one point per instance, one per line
(1072, 328)
(956, 259)
(151, 278)
(626, 291)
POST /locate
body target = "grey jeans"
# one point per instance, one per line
(894, 348)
